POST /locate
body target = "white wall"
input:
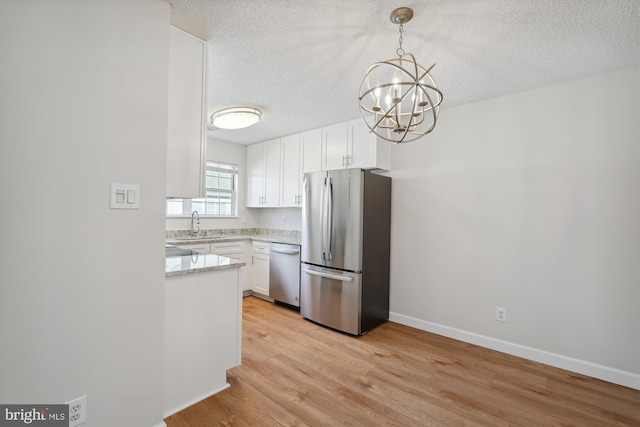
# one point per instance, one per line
(84, 104)
(528, 202)
(280, 218)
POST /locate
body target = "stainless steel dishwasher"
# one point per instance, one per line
(284, 274)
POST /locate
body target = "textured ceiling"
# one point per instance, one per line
(302, 62)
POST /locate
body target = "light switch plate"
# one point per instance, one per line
(125, 196)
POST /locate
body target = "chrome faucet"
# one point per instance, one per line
(194, 215)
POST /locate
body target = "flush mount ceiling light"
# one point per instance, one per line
(399, 100)
(235, 117)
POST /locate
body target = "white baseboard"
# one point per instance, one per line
(194, 401)
(162, 424)
(605, 373)
(259, 295)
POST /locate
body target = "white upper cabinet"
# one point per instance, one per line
(272, 173)
(351, 145)
(334, 147)
(291, 180)
(255, 174)
(263, 174)
(186, 138)
(275, 168)
(366, 150)
(311, 144)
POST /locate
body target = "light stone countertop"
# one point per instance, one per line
(202, 262)
(255, 237)
(215, 236)
(198, 263)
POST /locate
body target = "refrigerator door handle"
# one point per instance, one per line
(328, 275)
(323, 218)
(329, 217)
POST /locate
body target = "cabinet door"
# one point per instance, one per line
(367, 151)
(272, 174)
(255, 175)
(260, 273)
(260, 268)
(186, 140)
(200, 247)
(233, 250)
(291, 180)
(362, 144)
(334, 146)
(311, 144)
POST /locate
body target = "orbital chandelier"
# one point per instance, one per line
(399, 100)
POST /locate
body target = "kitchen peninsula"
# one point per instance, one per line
(203, 325)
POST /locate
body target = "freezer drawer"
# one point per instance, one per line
(331, 298)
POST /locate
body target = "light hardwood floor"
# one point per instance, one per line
(297, 373)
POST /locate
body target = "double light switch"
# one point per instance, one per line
(125, 196)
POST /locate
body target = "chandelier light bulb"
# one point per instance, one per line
(376, 97)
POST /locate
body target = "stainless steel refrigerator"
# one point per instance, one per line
(346, 219)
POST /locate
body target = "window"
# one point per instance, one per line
(221, 181)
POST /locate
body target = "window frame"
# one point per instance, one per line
(216, 166)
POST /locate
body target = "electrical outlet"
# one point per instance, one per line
(77, 411)
(501, 314)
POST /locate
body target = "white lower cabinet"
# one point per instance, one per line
(259, 268)
(200, 247)
(254, 254)
(235, 250)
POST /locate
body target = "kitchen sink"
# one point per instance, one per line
(173, 251)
